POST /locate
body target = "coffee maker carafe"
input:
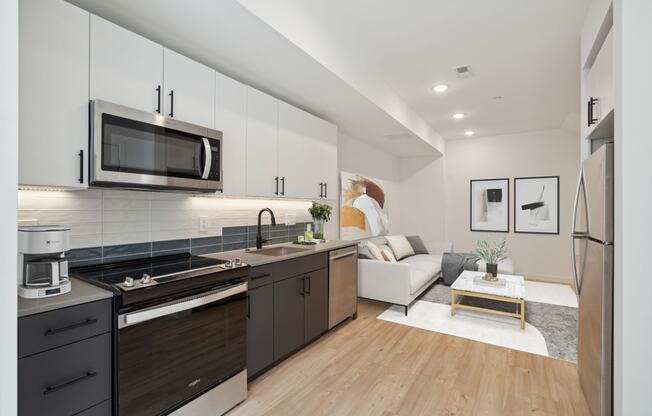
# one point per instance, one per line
(42, 266)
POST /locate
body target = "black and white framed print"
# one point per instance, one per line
(490, 205)
(536, 205)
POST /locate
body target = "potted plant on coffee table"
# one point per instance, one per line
(491, 253)
(321, 213)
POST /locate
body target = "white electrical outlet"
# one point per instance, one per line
(203, 223)
(290, 218)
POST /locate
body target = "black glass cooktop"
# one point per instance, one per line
(161, 268)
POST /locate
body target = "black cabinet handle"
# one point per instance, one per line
(57, 387)
(248, 307)
(171, 103)
(81, 166)
(260, 276)
(321, 189)
(303, 286)
(309, 284)
(325, 189)
(591, 104)
(283, 185)
(158, 99)
(276, 192)
(70, 327)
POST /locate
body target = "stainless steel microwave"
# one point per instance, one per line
(134, 149)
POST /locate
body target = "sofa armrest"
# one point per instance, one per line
(384, 281)
(439, 247)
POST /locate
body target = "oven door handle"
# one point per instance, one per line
(209, 158)
(180, 305)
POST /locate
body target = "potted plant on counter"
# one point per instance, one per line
(321, 213)
(491, 253)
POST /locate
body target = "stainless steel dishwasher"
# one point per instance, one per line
(343, 285)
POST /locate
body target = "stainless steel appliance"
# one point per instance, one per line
(342, 285)
(135, 149)
(181, 333)
(593, 263)
(42, 264)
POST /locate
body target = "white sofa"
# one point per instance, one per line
(402, 282)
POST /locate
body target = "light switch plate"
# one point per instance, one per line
(203, 223)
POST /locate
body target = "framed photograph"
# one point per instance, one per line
(536, 205)
(490, 205)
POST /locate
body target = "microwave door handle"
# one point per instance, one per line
(209, 158)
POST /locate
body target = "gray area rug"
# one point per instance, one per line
(557, 324)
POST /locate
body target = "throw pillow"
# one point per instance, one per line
(400, 246)
(375, 252)
(388, 255)
(364, 253)
(417, 244)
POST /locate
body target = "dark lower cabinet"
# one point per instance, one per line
(316, 304)
(288, 316)
(260, 329)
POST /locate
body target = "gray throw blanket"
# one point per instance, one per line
(453, 264)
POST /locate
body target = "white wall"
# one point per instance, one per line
(356, 156)
(435, 194)
(633, 176)
(8, 183)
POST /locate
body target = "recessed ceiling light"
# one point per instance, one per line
(440, 88)
(459, 116)
(469, 133)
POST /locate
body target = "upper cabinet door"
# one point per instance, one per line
(599, 88)
(293, 167)
(262, 144)
(53, 94)
(125, 68)
(231, 120)
(322, 151)
(189, 90)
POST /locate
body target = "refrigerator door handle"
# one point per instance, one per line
(580, 184)
(574, 264)
(574, 234)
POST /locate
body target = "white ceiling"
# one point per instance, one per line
(227, 37)
(526, 51)
(368, 66)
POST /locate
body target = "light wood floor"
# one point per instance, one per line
(374, 367)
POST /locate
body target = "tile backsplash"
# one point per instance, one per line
(109, 225)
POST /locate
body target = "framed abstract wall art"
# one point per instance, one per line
(536, 205)
(489, 205)
(363, 207)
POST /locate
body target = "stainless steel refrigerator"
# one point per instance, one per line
(593, 264)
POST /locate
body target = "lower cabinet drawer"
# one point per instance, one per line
(65, 380)
(102, 409)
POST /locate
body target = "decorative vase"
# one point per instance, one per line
(319, 228)
(492, 269)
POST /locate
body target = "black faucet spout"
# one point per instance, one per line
(259, 236)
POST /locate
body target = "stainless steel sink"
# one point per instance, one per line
(278, 251)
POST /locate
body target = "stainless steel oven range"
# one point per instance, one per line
(134, 149)
(180, 333)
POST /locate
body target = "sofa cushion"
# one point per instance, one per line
(429, 263)
(417, 244)
(375, 251)
(400, 246)
(418, 278)
(387, 255)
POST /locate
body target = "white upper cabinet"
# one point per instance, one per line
(262, 144)
(293, 169)
(324, 156)
(599, 89)
(231, 120)
(125, 68)
(53, 92)
(189, 89)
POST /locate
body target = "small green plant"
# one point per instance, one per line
(320, 211)
(492, 252)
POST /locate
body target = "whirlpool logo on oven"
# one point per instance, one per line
(194, 383)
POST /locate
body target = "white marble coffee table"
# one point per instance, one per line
(510, 289)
